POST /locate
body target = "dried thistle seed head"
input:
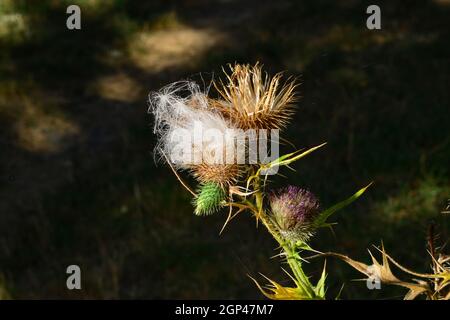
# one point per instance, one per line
(209, 199)
(294, 210)
(221, 174)
(181, 109)
(253, 100)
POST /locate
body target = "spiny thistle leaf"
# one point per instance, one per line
(383, 273)
(320, 287)
(287, 159)
(275, 291)
(284, 160)
(303, 246)
(295, 156)
(209, 199)
(321, 221)
(440, 276)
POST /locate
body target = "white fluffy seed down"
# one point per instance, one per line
(189, 131)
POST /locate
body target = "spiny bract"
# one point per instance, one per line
(209, 199)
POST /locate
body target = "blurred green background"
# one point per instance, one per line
(78, 184)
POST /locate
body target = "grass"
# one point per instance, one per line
(96, 198)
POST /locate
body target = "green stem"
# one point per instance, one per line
(296, 267)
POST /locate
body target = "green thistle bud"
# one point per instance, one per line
(209, 199)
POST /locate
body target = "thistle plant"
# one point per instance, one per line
(248, 99)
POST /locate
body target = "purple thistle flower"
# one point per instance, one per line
(294, 210)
